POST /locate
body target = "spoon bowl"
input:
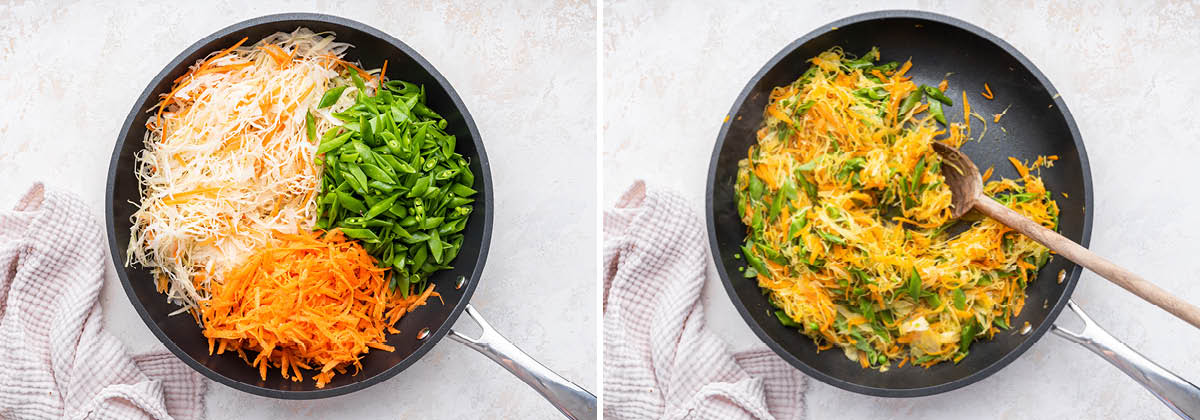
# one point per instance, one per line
(967, 188)
(963, 179)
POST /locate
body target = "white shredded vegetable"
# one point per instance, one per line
(228, 159)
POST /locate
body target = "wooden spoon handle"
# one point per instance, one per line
(1097, 264)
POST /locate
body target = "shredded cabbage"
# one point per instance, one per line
(228, 159)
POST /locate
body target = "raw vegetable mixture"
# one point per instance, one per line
(847, 215)
(296, 204)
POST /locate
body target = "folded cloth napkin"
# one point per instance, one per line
(56, 361)
(660, 361)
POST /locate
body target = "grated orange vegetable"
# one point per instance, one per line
(312, 300)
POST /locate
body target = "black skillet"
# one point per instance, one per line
(421, 329)
(1037, 123)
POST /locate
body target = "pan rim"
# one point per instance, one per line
(468, 290)
(1013, 354)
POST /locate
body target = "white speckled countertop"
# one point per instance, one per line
(526, 72)
(1126, 70)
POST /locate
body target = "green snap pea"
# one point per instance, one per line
(419, 188)
(381, 207)
(911, 101)
(358, 82)
(377, 174)
(918, 173)
(359, 176)
(462, 190)
(350, 203)
(465, 176)
(331, 96)
(935, 109)
(829, 237)
(914, 284)
(333, 143)
(367, 234)
(886, 67)
(937, 95)
(310, 124)
(786, 320)
(382, 186)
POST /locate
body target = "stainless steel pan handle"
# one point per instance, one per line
(1177, 393)
(572, 400)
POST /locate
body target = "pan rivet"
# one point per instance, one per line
(458, 284)
(423, 333)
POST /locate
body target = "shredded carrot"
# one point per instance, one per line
(276, 54)
(943, 85)
(904, 69)
(987, 92)
(312, 300)
(1020, 167)
(383, 72)
(966, 110)
(169, 98)
(775, 112)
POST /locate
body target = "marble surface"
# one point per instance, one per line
(525, 70)
(1126, 70)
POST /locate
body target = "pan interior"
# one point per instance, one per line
(183, 336)
(1036, 124)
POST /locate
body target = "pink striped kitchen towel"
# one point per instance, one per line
(56, 361)
(660, 361)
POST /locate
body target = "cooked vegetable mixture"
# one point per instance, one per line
(296, 204)
(847, 217)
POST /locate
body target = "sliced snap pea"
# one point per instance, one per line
(350, 203)
(419, 188)
(786, 320)
(332, 144)
(310, 124)
(380, 207)
(918, 173)
(435, 246)
(466, 177)
(367, 234)
(358, 81)
(937, 95)
(353, 182)
(914, 284)
(331, 96)
(911, 101)
(462, 190)
(382, 186)
(375, 173)
(935, 109)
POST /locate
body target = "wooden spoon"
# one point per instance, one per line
(965, 183)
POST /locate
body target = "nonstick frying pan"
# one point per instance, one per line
(1037, 123)
(421, 329)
